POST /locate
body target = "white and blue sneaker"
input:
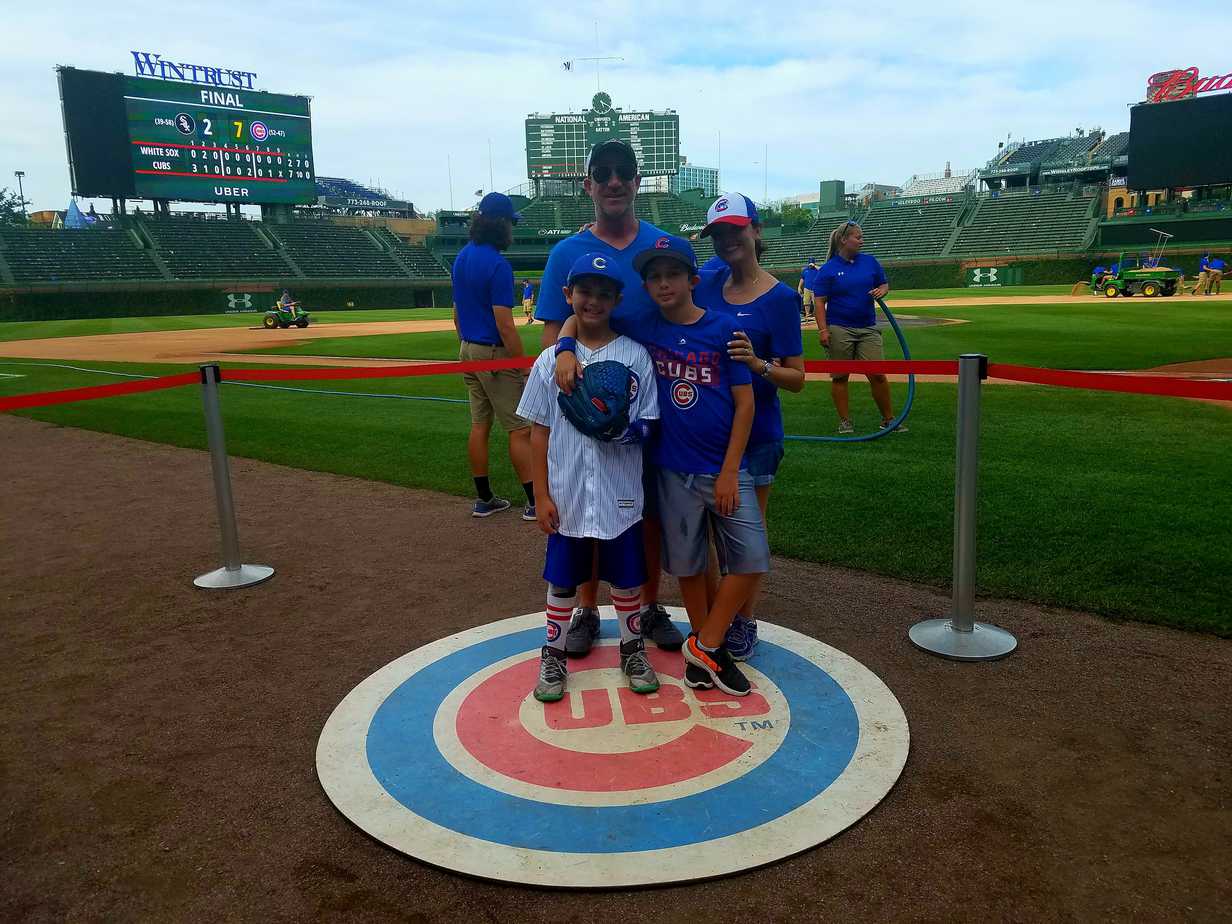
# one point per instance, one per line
(741, 638)
(485, 508)
(529, 513)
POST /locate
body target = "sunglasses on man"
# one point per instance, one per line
(602, 173)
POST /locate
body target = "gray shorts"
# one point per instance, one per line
(686, 510)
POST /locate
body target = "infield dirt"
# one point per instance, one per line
(158, 758)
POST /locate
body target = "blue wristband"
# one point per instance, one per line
(565, 345)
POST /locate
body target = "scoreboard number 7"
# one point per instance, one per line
(239, 129)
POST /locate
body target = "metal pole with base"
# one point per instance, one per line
(232, 573)
(960, 637)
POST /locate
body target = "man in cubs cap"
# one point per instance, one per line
(595, 264)
(670, 246)
(734, 209)
(498, 205)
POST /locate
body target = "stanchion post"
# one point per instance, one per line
(960, 637)
(233, 573)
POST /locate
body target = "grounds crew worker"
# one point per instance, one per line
(483, 318)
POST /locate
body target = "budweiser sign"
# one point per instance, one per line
(1171, 85)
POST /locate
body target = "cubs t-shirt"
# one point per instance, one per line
(694, 377)
(772, 323)
(633, 298)
(845, 285)
(482, 277)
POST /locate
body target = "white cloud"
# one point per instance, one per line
(872, 92)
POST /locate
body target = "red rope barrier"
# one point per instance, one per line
(89, 393)
(1104, 381)
(1093, 381)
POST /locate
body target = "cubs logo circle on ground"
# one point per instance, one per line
(445, 755)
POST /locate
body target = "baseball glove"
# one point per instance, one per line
(599, 404)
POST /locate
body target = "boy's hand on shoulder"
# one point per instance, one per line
(546, 514)
(727, 493)
(568, 371)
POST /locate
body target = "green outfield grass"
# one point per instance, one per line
(1120, 334)
(36, 330)
(1112, 503)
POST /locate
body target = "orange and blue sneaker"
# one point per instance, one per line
(718, 664)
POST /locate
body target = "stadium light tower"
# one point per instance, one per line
(21, 194)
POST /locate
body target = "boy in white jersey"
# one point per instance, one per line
(591, 498)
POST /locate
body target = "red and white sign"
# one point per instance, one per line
(1173, 85)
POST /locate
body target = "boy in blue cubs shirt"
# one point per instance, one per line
(590, 500)
(706, 403)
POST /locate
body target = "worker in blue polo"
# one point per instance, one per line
(808, 276)
(1097, 278)
(612, 181)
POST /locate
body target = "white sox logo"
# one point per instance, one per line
(239, 301)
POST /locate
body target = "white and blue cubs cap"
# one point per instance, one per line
(594, 264)
(731, 209)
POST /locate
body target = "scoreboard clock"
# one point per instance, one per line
(138, 137)
(556, 145)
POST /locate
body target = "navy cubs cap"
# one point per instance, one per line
(614, 146)
(734, 209)
(675, 248)
(498, 205)
(594, 264)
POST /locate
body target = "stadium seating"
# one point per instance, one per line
(196, 248)
(940, 186)
(1073, 151)
(96, 254)
(919, 227)
(325, 250)
(1033, 152)
(1032, 222)
(1114, 146)
(337, 186)
(415, 257)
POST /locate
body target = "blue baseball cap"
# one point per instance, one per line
(733, 209)
(675, 248)
(498, 205)
(594, 264)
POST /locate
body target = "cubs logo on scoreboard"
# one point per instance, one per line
(445, 755)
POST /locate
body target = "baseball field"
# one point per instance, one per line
(159, 740)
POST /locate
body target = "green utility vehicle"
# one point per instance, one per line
(1143, 273)
(284, 316)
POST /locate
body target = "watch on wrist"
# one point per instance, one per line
(765, 368)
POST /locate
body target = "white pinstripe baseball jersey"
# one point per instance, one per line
(597, 486)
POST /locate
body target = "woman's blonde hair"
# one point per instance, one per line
(838, 235)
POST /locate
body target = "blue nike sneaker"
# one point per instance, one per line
(741, 638)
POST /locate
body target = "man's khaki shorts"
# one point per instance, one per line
(807, 295)
(854, 343)
(493, 394)
(527, 305)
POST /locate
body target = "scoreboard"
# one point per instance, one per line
(556, 145)
(138, 137)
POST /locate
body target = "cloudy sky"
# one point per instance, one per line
(859, 91)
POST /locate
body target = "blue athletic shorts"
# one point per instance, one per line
(687, 506)
(622, 562)
(762, 460)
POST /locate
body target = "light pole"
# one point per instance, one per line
(21, 194)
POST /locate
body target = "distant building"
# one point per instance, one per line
(691, 176)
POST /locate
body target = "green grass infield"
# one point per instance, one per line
(1116, 504)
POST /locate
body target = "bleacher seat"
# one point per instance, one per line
(198, 248)
(899, 228)
(1026, 223)
(415, 257)
(323, 250)
(59, 255)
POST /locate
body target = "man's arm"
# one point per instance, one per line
(456, 329)
(503, 315)
(819, 316)
(726, 485)
(551, 333)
